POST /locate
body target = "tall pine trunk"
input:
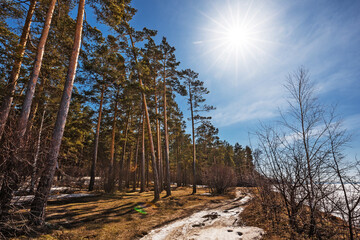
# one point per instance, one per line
(121, 170)
(128, 162)
(38, 205)
(193, 140)
(152, 149)
(110, 183)
(158, 138)
(30, 91)
(142, 165)
(7, 101)
(137, 153)
(96, 147)
(167, 162)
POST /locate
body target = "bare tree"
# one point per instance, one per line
(344, 200)
(297, 153)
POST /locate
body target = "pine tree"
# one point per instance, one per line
(39, 203)
(196, 90)
(169, 76)
(133, 36)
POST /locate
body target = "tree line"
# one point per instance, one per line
(78, 102)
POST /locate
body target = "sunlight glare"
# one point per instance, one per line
(238, 34)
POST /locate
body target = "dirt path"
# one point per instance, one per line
(218, 223)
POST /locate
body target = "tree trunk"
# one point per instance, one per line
(136, 154)
(147, 172)
(158, 137)
(38, 205)
(11, 178)
(26, 107)
(109, 186)
(179, 170)
(142, 182)
(7, 101)
(32, 116)
(167, 163)
(151, 142)
(34, 170)
(97, 134)
(121, 172)
(127, 176)
(193, 139)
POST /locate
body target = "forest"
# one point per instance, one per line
(93, 110)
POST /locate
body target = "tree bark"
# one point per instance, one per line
(7, 101)
(97, 134)
(38, 205)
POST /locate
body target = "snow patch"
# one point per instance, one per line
(220, 223)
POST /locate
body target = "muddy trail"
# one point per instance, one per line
(221, 222)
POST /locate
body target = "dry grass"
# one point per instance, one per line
(276, 223)
(114, 216)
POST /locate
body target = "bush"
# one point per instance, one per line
(219, 178)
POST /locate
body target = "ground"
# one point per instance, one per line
(221, 223)
(128, 215)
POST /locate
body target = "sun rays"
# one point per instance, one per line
(237, 35)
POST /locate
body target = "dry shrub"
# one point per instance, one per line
(219, 178)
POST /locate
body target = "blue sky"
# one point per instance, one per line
(246, 81)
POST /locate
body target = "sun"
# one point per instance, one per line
(237, 34)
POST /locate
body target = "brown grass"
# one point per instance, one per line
(114, 216)
(276, 223)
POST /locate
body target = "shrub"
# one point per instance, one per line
(219, 178)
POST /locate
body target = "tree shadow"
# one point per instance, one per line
(65, 215)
